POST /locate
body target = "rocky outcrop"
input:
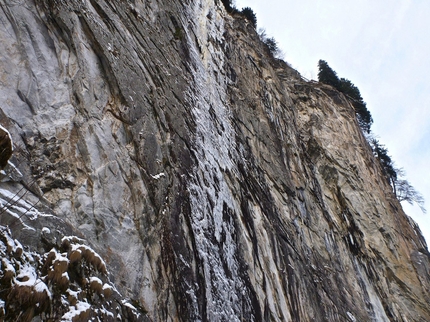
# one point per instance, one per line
(215, 182)
(68, 283)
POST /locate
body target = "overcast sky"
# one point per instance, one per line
(383, 47)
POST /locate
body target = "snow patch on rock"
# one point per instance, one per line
(211, 200)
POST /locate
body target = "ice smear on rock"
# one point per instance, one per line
(214, 139)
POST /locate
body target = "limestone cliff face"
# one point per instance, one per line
(216, 183)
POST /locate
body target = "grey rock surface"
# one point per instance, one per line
(215, 182)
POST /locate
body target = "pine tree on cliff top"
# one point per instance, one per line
(327, 75)
(351, 91)
(250, 15)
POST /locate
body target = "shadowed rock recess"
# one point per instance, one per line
(211, 179)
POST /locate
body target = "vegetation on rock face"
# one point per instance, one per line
(363, 115)
(328, 76)
(250, 15)
(246, 12)
(381, 153)
(406, 192)
(401, 188)
(271, 44)
(228, 4)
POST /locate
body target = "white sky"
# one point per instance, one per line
(383, 47)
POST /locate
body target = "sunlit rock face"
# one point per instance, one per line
(215, 183)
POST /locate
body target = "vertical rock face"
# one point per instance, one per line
(216, 184)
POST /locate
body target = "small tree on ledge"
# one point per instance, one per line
(327, 75)
(402, 189)
(250, 15)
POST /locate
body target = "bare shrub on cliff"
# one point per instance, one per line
(402, 189)
(271, 44)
